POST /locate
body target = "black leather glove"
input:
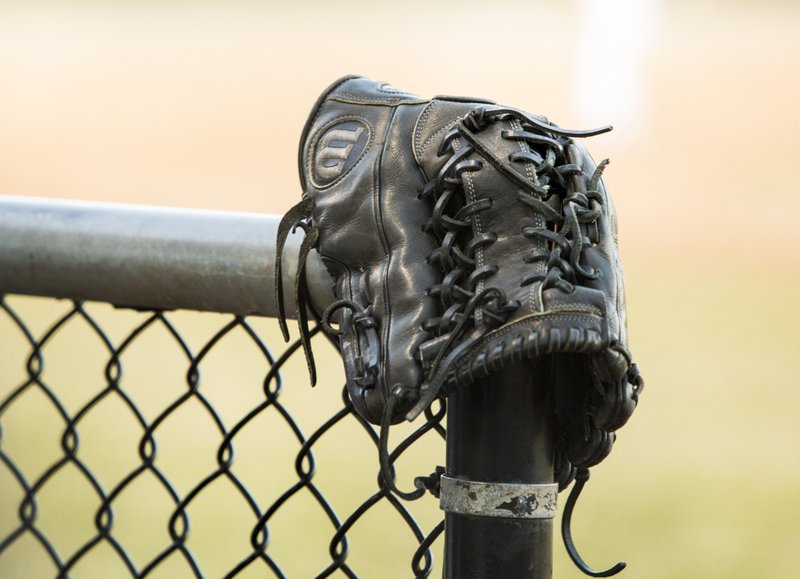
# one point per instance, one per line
(463, 236)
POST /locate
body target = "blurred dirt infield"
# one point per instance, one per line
(202, 106)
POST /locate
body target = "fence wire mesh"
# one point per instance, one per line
(183, 444)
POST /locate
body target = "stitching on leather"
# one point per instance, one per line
(478, 225)
(523, 147)
(310, 124)
(321, 131)
(578, 316)
(540, 245)
(420, 149)
(385, 265)
(330, 95)
(443, 130)
(378, 100)
(593, 309)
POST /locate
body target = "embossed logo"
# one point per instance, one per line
(337, 150)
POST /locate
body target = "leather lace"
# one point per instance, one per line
(297, 216)
(566, 530)
(556, 190)
(464, 305)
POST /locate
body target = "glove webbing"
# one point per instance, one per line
(466, 309)
(464, 303)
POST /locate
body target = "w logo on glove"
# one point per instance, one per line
(338, 149)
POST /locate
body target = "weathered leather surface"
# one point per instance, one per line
(384, 171)
(369, 216)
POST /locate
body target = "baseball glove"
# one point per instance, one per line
(530, 268)
(463, 236)
(362, 213)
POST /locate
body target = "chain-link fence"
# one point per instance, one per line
(176, 444)
(161, 442)
(154, 423)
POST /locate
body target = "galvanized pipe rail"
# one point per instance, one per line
(149, 257)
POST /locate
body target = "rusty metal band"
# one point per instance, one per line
(494, 499)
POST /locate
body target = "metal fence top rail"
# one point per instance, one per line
(149, 257)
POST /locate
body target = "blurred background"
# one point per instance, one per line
(201, 104)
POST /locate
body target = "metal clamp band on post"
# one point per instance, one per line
(494, 499)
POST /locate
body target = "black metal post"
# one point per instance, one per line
(500, 430)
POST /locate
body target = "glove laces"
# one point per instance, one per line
(465, 304)
(556, 164)
(557, 190)
(297, 216)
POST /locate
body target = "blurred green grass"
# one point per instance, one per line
(151, 104)
(703, 480)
